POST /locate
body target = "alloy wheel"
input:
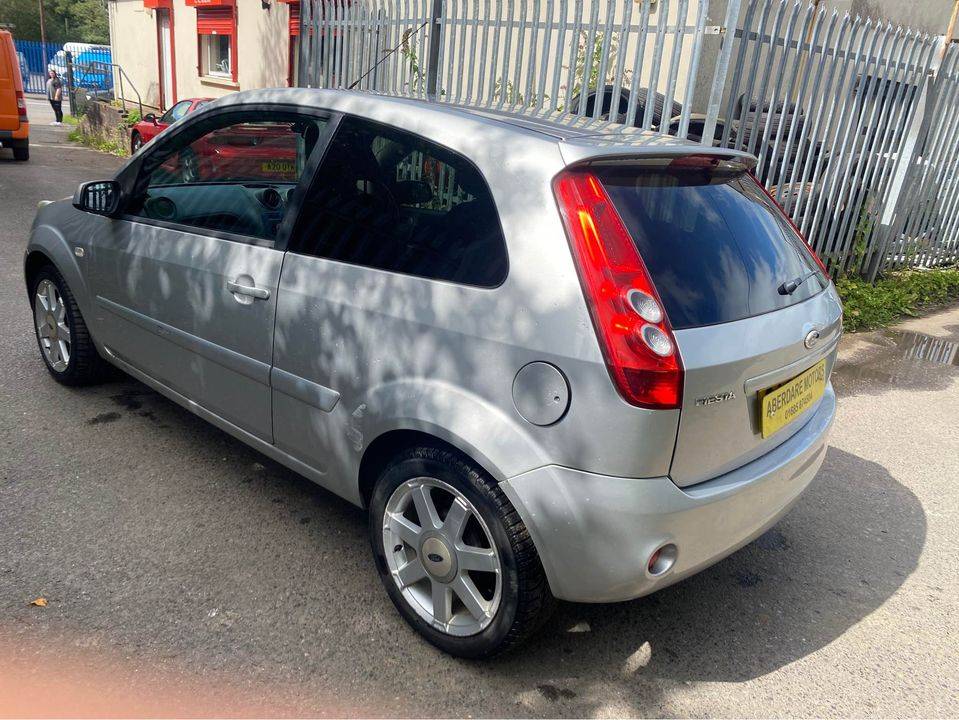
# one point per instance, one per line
(191, 170)
(49, 314)
(442, 557)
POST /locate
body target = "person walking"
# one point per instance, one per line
(55, 96)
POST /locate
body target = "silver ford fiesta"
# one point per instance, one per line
(574, 361)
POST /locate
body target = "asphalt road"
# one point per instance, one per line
(187, 574)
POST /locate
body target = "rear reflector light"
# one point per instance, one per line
(627, 313)
(21, 105)
(819, 262)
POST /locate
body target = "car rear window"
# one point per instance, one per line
(716, 247)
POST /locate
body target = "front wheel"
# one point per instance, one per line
(454, 555)
(136, 143)
(65, 343)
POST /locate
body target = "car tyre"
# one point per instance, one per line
(515, 599)
(136, 142)
(70, 357)
(22, 153)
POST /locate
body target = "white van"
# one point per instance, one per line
(59, 61)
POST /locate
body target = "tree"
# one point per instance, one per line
(83, 20)
(65, 20)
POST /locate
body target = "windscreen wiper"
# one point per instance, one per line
(790, 286)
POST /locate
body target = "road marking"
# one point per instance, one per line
(66, 145)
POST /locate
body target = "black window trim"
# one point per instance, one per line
(292, 247)
(129, 174)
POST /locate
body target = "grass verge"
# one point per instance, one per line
(867, 306)
(114, 148)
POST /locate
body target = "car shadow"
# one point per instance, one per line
(843, 550)
(849, 544)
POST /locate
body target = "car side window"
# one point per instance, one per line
(387, 199)
(234, 174)
(175, 113)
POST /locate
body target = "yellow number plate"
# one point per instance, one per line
(782, 405)
(278, 167)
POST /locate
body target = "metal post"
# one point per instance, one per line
(70, 99)
(722, 67)
(304, 74)
(433, 60)
(43, 41)
(950, 30)
(902, 190)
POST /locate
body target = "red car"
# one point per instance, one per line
(151, 125)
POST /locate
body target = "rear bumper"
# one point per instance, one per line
(595, 533)
(15, 138)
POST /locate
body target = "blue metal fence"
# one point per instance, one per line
(34, 57)
(90, 65)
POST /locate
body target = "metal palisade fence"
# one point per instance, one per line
(855, 123)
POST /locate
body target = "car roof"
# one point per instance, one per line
(578, 138)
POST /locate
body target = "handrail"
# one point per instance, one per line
(121, 74)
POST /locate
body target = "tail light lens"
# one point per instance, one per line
(21, 105)
(819, 262)
(631, 324)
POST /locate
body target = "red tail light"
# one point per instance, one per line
(631, 324)
(812, 252)
(21, 105)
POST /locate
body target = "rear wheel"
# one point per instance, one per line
(62, 336)
(21, 153)
(454, 555)
(136, 142)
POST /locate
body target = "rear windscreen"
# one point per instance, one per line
(716, 247)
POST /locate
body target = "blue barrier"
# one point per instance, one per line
(90, 63)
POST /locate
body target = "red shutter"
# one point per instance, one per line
(214, 21)
(294, 20)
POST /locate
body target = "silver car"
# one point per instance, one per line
(569, 361)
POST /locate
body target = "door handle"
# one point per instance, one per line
(248, 290)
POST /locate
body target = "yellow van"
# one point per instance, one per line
(14, 128)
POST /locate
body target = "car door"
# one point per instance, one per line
(392, 227)
(186, 278)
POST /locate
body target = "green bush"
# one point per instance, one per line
(904, 293)
(133, 117)
(108, 146)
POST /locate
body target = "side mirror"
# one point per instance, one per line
(412, 192)
(150, 117)
(100, 197)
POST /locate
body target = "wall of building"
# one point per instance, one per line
(131, 31)
(930, 16)
(261, 56)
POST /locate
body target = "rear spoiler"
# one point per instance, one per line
(648, 147)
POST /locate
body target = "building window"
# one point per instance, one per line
(215, 54)
(216, 31)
